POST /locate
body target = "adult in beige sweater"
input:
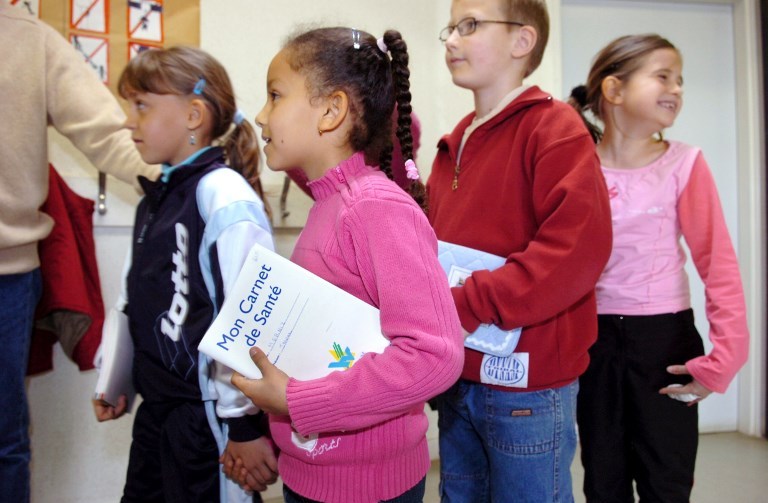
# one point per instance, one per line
(43, 82)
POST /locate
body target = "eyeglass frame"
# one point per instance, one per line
(473, 22)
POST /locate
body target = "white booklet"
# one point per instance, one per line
(307, 326)
(115, 360)
(458, 263)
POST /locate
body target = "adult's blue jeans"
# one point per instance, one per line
(498, 446)
(19, 294)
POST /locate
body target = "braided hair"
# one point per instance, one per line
(352, 61)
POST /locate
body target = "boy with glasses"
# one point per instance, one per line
(518, 178)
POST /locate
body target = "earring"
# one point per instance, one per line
(320, 131)
(192, 139)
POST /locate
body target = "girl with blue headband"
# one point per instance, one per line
(192, 233)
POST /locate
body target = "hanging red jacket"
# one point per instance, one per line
(71, 309)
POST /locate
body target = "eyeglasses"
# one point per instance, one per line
(468, 25)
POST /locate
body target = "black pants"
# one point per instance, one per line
(628, 431)
(174, 457)
(412, 495)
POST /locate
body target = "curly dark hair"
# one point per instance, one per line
(350, 60)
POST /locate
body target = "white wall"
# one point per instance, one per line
(76, 459)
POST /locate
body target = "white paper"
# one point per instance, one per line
(116, 362)
(95, 53)
(145, 20)
(31, 7)
(683, 397)
(88, 15)
(307, 326)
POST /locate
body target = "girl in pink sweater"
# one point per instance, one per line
(637, 411)
(359, 434)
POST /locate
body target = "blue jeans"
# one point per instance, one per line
(19, 294)
(506, 446)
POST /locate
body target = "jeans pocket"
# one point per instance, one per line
(522, 423)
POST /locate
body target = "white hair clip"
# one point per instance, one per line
(355, 38)
(382, 45)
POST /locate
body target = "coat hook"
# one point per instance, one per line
(102, 201)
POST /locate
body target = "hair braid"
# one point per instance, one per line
(373, 82)
(402, 89)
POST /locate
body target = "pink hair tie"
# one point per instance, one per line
(382, 45)
(410, 170)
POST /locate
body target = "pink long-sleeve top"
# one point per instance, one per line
(651, 208)
(360, 434)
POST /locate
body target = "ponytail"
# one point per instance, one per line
(242, 150)
(578, 100)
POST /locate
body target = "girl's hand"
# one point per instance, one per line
(106, 412)
(694, 386)
(251, 464)
(269, 392)
(233, 469)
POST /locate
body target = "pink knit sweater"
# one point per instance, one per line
(359, 435)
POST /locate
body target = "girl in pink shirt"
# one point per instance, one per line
(637, 413)
(358, 434)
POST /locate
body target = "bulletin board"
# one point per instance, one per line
(107, 33)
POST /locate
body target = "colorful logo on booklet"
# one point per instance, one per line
(342, 359)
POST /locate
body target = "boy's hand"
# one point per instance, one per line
(106, 412)
(694, 387)
(251, 464)
(269, 392)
